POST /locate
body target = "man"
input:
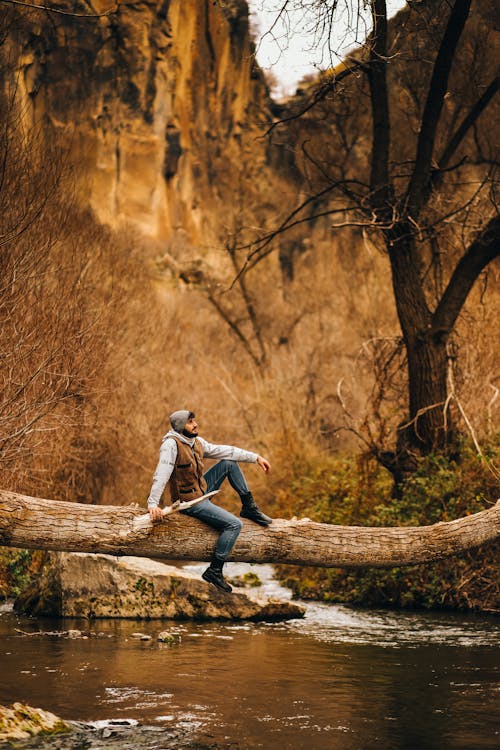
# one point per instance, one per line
(181, 462)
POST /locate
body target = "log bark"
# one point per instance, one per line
(35, 523)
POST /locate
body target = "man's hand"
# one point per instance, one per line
(264, 464)
(155, 514)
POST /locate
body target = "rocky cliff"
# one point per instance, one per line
(152, 101)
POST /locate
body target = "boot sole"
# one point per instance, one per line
(261, 523)
(221, 588)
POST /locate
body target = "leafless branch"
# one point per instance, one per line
(381, 131)
(481, 252)
(418, 185)
(321, 92)
(467, 123)
(49, 9)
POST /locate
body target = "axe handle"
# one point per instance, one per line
(145, 521)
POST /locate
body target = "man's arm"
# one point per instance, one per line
(232, 453)
(164, 469)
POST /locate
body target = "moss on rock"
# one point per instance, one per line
(22, 721)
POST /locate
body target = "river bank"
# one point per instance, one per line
(348, 491)
(339, 679)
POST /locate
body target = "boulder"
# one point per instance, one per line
(22, 721)
(76, 584)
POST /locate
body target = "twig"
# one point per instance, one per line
(320, 94)
(62, 12)
(342, 402)
(490, 404)
(467, 421)
(42, 632)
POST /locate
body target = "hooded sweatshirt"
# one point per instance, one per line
(168, 455)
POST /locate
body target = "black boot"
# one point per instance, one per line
(251, 510)
(213, 574)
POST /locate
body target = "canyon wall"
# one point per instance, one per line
(152, 100)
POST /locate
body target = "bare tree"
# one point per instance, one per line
(426, 185)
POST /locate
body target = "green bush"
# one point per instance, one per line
(17, 568)
(347, 491)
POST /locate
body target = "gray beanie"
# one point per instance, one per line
(179, 418)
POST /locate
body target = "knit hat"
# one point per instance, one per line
(179, 418)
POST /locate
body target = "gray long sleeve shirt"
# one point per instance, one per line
(168, 454)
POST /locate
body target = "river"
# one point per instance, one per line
(340, 679)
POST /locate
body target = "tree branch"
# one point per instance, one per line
(418, 186)
(381, 126)
(467, 123)
(482, 251)
(233, 325)
(321, 92)
(252, 315)
(46, 8)
(263, 245)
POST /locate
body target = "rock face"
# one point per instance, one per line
(151, 100)
(88, 585)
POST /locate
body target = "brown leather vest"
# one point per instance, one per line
(186, 481)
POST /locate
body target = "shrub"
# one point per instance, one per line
(349, 493)
(17, 568)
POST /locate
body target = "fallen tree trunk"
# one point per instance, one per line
(46, 524)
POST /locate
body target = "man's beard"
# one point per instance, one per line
(188, 434)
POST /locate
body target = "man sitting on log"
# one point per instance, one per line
(181, 462)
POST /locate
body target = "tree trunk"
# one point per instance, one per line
(430, 424)
(46, 524)
(427, 427)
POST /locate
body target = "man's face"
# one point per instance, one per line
(191, 428)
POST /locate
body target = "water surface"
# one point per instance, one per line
(341, 679)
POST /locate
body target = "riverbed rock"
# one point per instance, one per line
(22, 721)
(75, 584)
(167, 637)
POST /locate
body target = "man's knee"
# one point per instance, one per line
(235, 524)
(227, 465)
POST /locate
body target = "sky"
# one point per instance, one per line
(292, 48)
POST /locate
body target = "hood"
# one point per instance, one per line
(179, 436)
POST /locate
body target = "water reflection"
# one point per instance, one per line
(339, 679)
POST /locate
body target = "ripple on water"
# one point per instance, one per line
(391, 629)
(127, 695)
(386, 628)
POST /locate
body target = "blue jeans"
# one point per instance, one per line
(220, 519)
